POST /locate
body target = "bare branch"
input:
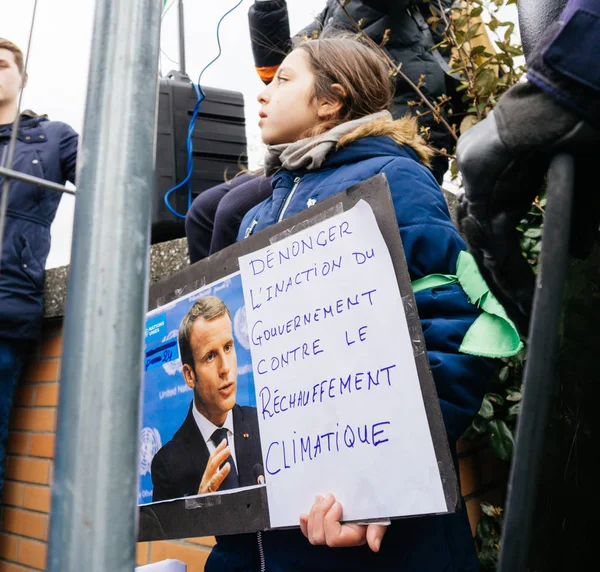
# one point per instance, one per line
(396, 70)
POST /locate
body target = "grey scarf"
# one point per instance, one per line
(309, 153)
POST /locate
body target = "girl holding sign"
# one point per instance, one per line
(325, 120)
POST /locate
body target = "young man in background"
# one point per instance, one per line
(44, 149)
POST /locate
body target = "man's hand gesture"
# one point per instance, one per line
(213, 477)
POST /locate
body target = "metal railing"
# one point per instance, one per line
(538, 379)
(94, 497)
(535, 16)
(94, 509)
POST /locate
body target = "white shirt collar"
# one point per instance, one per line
(207, 428)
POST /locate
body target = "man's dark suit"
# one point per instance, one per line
(178, 467)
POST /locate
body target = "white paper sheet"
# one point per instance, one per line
(339, 403)
(169, 565)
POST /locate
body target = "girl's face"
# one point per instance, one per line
(288, 108)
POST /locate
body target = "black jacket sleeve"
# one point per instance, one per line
(161, 480)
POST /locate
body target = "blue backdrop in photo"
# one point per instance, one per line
(166, 396)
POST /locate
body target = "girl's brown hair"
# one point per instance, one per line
(364, 78)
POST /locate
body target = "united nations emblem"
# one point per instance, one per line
(150, 443)
(240, 328)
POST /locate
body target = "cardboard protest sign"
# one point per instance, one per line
(332, 383)
(338, 394)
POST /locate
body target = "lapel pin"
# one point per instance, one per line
(246, 435)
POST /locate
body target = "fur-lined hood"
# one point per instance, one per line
(403, 131)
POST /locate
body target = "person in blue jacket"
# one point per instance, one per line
(324, 118)
(48, 150)
(504, 158)
(214, 218)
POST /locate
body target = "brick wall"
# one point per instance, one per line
(26, 503)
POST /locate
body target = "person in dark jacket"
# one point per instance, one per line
(44, 149)
(215, 215)
(324, 118)
(213, 221)
(410, 43)
(504, 158)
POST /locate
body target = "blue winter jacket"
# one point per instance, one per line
(45, 149)
(432, 244)
(565, 64)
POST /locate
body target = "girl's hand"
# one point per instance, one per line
(323, 526)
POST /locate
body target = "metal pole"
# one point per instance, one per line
(538, 380)
(181, 39)
(94, 498)
(10, 174)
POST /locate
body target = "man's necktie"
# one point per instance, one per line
(231, 480)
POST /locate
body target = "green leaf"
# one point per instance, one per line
(485, 529)
(510, 28)
(470, 434)
(527, 243)
(489, 556)
(533, 233)
(495, 398)
(508, 49)
(454, 169)
(476, 429)
(503, 374)
(536, 248)
(514, 410)
(468, 122)
(460, 21)
(484, 83)
(477, 50)
(487, 409)
(513, 395)
(472, 32)
(488, 509)
(476, 11)
(502, 441)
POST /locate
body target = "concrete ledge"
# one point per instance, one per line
(166, 259)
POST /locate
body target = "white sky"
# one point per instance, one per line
(60, 52)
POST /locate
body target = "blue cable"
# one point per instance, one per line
(200, 97)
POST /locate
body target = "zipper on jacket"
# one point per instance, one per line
(250, 229)
(288, 199)
(261, 552)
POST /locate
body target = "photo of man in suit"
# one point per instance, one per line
(218, 445)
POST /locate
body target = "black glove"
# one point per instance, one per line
(503, 161)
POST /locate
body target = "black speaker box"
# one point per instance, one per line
(219, 148)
